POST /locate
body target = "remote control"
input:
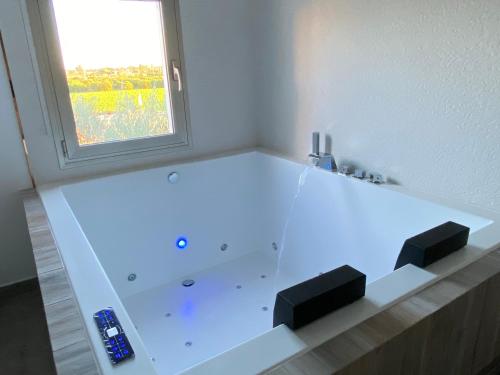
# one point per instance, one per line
(115, 341)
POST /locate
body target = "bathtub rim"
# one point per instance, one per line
(289, 343)
(440, 200)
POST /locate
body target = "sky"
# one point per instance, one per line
(109, 33)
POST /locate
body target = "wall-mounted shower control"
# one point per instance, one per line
(113, 337)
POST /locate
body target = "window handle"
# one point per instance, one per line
(176, 71)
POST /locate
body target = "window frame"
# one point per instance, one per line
(58, 103)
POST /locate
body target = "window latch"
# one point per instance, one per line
(176, 72)
(64, 147)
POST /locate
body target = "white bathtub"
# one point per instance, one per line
(268, 211)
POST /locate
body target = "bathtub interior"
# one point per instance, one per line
(282, 223)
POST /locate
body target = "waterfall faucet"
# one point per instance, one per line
(321, 160)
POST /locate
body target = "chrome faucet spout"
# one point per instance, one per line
(319, 159)
(315, 143)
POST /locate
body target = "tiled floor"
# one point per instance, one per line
(24, 339)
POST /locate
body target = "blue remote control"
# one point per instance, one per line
(115, 341)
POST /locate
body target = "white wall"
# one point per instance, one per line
(16, 259)
(218, 45)
(407, 88)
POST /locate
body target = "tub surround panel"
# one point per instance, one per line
(55, 286)
(70, 346)
(63, 319)
(75, 359)
(451, 327)
(47, 260)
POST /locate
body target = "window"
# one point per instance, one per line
(116, 76)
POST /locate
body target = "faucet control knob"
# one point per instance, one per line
(376, 178)
(314, 159)
(359, 173)
(345, 170)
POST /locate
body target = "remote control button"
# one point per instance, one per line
(112, 332)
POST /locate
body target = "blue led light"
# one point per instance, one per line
(181, 243)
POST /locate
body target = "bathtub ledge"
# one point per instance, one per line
(71, 349)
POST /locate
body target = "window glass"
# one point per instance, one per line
(114, 58)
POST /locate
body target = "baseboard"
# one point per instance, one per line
(19, 287)
(22, 280)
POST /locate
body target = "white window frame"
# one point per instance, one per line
(57, 99)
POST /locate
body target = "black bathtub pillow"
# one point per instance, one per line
(432, 245)
(303, 303)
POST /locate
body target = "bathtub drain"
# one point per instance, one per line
(187, 283)
(132, 277)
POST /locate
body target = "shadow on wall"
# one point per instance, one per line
(325, 83)
(400, 86)
(297, 75)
